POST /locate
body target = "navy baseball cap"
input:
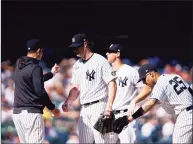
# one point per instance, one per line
(78, 40)
(143, 70)
(115, 48)
(34, 44)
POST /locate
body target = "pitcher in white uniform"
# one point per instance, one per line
(127, 88)
(174, 95)
(94, 82)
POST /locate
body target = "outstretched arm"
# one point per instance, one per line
(144, 109)
(144, 92)
(49, 75)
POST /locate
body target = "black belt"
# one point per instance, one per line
(118, 111)
(189, 108)
(86, 104)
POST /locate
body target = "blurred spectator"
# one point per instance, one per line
(9, 91)
(73, 138)
(149, 127)
(6, 112)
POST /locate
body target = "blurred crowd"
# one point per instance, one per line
(154, 127)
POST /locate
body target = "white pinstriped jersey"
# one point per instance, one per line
(172, 92)
(126, 86)
(93, 77)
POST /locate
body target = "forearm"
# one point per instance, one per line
(112, 88)
(145, 91)
(48, 102)
(73, 95)
(145, 108)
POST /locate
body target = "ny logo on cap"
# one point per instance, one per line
(146, 70)
(73, 39)
(28, 48)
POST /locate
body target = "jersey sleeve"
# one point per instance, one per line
(135, 78)
(74, 79)
(158, 92)
(107, 72)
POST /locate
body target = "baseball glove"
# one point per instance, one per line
(120, 123)
(105, 125)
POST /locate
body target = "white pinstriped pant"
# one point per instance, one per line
(183, 128)
(128, 134)
(29, 126)
(88, 117)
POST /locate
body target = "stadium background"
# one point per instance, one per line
(151, 32)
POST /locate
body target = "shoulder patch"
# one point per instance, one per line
(113, 73)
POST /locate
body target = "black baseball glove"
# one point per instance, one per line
(104, 124)
(119, 124)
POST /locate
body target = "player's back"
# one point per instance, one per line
(174, 93)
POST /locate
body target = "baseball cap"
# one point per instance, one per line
(34, 44)
(115, 48)
(78, 40)
(143, 70)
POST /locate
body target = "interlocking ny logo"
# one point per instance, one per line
(123, 82)
(90, 76)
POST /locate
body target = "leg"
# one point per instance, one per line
(34, 125)
(128, 135)
(19, 128)
(96, 110)
(183, 134)
(183, 128)
(85, 128)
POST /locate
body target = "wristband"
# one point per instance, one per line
(138, 113)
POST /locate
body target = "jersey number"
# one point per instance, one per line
(178, 85)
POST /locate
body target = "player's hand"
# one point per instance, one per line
(130, 119)
(107, 113)
(55, 69)
(65, 107)
(131, 108)
(55, 112)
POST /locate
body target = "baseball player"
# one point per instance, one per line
(174, 95)
(127, 88)
(30, 97)
(94, 82)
